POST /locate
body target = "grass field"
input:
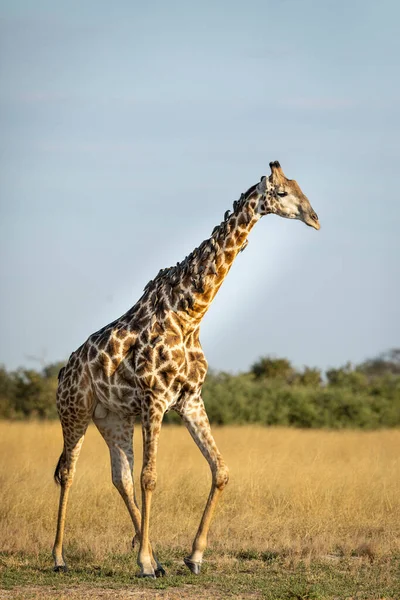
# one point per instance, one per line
(307, 514)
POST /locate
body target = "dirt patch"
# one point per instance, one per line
(187, 592)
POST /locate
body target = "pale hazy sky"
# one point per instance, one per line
(127, 130)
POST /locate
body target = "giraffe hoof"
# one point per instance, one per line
(60, 569)
(150, 575)
(194, 567)
(160, 572)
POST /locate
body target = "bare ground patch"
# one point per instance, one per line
(88, 593)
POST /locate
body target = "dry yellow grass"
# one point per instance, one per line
(299, 492)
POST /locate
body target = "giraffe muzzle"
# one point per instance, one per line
(311, 219)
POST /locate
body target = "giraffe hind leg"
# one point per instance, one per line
(118, 435)
(74, 432)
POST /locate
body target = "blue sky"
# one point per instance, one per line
(129, 128)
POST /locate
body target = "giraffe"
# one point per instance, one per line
(150, 361)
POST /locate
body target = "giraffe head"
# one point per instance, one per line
(286, 199)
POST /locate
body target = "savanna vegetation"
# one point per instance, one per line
(273, 392)
(308, 514)
(312, 510)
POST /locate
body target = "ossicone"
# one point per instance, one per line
(274, 165)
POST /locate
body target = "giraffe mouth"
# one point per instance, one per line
(312, 221)
(314, 224)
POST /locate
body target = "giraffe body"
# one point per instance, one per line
(150, 361)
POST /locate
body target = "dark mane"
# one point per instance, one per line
(172, 275)
(250, 190)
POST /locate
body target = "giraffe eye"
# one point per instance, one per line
(282, 194)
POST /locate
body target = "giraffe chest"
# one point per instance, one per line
(166, 370)
(163, 367)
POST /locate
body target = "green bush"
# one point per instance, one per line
(273, 393)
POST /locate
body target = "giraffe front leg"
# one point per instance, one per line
(151, 426)
(196, 421)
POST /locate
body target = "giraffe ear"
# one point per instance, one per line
(262, 185)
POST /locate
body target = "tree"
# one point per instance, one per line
(310, 377)
(34, 394)
(386, 363)
(274, 368)
(53, 369)
(7, 394)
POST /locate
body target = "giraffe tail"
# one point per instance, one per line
(57, 472)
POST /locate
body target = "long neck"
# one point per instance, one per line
(192, 285)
